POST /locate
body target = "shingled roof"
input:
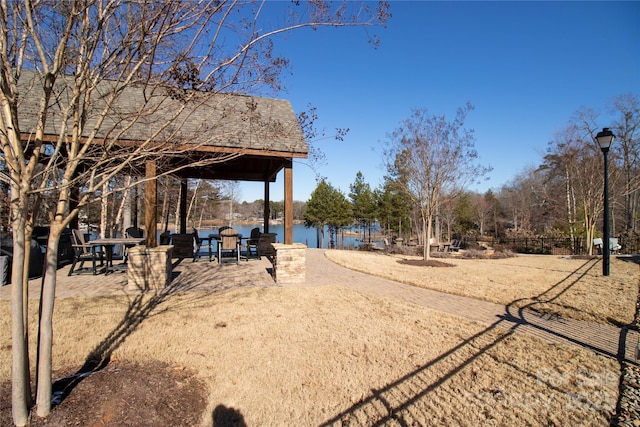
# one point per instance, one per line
(264, 130)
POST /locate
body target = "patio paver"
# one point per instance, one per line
(605, 339)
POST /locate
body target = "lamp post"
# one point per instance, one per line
(605, 138)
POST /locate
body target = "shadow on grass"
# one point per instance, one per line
(227, 417)
(144, 305)
(392, 404)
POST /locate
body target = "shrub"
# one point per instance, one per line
(474, 254)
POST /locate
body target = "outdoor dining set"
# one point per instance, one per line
(227, 245)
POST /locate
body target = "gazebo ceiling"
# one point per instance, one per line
(246, 167)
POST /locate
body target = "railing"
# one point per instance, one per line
(630, 244)
(560, 246)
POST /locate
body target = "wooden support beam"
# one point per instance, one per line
(288, 203)
(266, 211)
(183, 205)
(150, 203)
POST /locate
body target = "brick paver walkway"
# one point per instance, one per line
(607, 339)
(604, 339)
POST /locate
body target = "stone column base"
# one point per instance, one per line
(289, 265)
(149, 268)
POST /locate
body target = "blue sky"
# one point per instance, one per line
(527, 67)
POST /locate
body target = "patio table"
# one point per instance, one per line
(109, 243)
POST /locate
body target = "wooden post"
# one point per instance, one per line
(136, 206)
(150, 202)
(267, 213)
(288, 203)
(183, 205)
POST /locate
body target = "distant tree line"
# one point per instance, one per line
(431, 161)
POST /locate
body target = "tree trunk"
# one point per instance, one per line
(165, 207)
(633, 213)
(571, 212)
(104, 210)
(20, 383)
(176, 226)
(427, 229)
(191, 202)
(590, 227)
(122, 219)
(45, 327)
(320, 236)
(438, 231)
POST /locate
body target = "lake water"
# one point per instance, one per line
(301, 234)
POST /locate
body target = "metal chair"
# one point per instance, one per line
(229, 242)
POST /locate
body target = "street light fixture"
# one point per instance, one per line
(605, 138)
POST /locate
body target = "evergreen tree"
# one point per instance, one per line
(363, 203)
(393, 206)
(327, 207)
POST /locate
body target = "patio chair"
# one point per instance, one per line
(597, 243)
(165, 238)
(201, 243)
(183, 245)
(455, 246)
(229, 243)
(252, 243)
(83, 252)
(614, 246)
(135, 232)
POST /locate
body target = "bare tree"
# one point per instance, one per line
(78, 58)
(448, 214)
(559, 166)
(575, 157)
(482, 208)
(627, 143)
(436, 157)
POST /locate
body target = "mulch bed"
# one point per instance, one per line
(425, 263)
(124, 394)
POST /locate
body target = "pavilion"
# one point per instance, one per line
(186, 134)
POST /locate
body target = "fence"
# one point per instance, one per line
(560, 246)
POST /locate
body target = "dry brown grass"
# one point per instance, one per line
(310, 356)
(555, 285)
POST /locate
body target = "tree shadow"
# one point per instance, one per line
(392, 404)
(629, 258)
(545, 301)
(141, 306)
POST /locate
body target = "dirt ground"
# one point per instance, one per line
(326, 356)
(118, 395)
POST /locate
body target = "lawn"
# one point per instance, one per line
(328, 355)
